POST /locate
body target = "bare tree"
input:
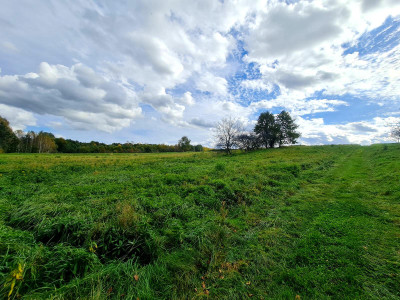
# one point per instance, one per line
(248, 141)
(395, 132)
(226, 132)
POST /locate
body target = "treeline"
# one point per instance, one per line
(270, 131)
(70, 146)
(45, 142)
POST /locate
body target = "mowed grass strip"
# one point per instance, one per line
(317, 222)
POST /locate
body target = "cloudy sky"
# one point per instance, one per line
(155, 70)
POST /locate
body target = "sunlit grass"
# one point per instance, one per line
(310, 222)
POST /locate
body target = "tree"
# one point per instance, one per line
(267, 129)
(287, 129)
(8, 140)
(21, 136)
(198, 148)
(226, 132)
(30, 141)
(45, 142)
(247, 141)
(395, 132)
(184, 144)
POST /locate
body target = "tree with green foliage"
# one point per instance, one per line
(29, 142)
(287, 134)
(45, 142)
(184, 144)
(267, 129)
(8, 140)
(279, 130)
(198, 148)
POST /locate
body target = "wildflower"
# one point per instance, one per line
(14, 276)
(93, 247)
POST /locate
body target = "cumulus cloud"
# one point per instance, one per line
(284, 29)
(214, 84)
(298, 106)
(187, 99)
(300, 47)
(18, 118)
(85, 99)
(371, 5)
(196, 62)
(202, 123)
(376, 130)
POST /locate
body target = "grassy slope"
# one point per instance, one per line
(319, 222)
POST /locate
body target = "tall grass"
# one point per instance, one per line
(309, 222)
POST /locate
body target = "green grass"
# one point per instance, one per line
(319, 222)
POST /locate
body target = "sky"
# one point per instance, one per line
(153, 71)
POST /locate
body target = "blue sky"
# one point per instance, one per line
(153, 71)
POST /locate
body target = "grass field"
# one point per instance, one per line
(319, 222)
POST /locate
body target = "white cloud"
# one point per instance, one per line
(283, 29)
(17, 117)
(256, 84)
(214, 84)
(299, 48)
(297, 105)
(85, 99)
(107, 59)
(187, 99)
(315, 131)
(202, 123)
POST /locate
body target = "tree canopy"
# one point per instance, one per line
(8, 140)
(184, 144)
(267, 129)
(286, 129)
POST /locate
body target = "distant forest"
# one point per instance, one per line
(270, 131)
(45, 142)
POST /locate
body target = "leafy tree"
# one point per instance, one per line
(61, 144)
(8, 140)
(267, 129)
(28, 142)
(45, 142)
(184, 144)
(198, 148)
(225, 134)
(286, 129)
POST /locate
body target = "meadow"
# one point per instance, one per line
(318, 222)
